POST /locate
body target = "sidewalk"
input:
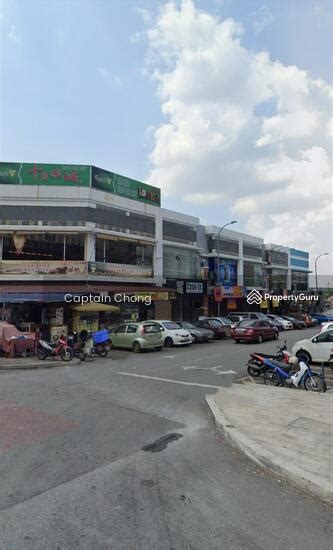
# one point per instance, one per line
(16, 363)
(286, 431)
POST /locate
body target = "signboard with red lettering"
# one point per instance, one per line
(217, 294)
(44, 174)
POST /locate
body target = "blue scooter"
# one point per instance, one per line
(277, 375)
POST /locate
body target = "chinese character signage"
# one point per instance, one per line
(125, 187)
(44, 174)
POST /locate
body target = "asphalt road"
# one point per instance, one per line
(75, 474)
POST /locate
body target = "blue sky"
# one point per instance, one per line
(75, 89)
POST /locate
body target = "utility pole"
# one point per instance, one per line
(218, 260)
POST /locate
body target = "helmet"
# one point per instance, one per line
(293, 360)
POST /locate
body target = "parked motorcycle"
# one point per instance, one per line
(77, 346)
(96, 343)
(54, 349)
(256, 366)
(278, 375)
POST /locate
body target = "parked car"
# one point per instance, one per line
(212, 324)
(173, 334)
(308, 320)
(199, 334)
(235, 319)
(296, 323)
(224, 321)
(249, 315)
(137, 336)
(323, 317)
(326, 326)
(284, 324)
(317, 349)
(252, 330)
(276, 322)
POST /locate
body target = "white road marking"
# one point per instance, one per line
(168, 356)
(215, 370)
(169, 380)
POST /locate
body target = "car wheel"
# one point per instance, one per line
(276, 335)
(260, 339)
(136, 347)
(168, 342)
(158, 348)
(305, 355)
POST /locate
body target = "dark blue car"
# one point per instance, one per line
(321, 317)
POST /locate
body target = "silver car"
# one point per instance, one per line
(137, 336)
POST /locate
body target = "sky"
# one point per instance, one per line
(223, 104)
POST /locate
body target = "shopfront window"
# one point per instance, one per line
(43, 247)
(124, 252)
(299, 280)
(180, 263)
(253, 274)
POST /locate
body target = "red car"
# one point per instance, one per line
(254, 331)
(214, 325)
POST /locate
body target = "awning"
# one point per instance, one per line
(90, 306)
(18, 298)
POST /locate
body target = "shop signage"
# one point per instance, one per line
(52, 267)
(162, 296)
(217, 294)
(158, 296)
(194, 288)
(44, 174)
(263, 304)
(232, 304)
(119, 270)
(275, 303)
(125, 187)
(232, 291)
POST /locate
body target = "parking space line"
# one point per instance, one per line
(169, 380)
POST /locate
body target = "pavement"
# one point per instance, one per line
(285, 430)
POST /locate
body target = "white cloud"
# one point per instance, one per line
(272, 171)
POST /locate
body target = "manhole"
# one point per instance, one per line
(161, 443)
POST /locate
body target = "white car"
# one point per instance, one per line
(318, 348)
(173, 335)
(326, 326)
(287, 325)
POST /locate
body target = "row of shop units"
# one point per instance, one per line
(54, 309)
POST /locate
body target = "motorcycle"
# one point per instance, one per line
(57, 348)
(77, 346)
(92, 348)
(277, 375)
(256, 366)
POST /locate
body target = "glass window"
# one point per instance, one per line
(43, 246)
(121, 329)
(153, 328)
(131, 328)
(124, 252)
(169, 325)
(180, 263)
(253, 274)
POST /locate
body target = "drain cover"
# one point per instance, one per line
(161, 443)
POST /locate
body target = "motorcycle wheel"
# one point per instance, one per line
(66, 354)
(271, 378)
(315, 383)
(82, 355)
(103, 352)
(41, 354)
(253, 370)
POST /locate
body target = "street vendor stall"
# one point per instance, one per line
(14, 342)
(86, 316)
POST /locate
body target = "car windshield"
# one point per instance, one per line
(214, 323)
(247, 323)
(170, 325)
(226, 321)
(185, 324)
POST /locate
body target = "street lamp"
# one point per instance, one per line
(218, 259)
(320, 255)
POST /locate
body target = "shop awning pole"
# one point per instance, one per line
(3, 310)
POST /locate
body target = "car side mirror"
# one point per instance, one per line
(161, 329)
(315, 339)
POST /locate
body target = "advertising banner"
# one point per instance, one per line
(125, 187)
(44, 174)
(187, 286)
(53, 267)
(217, 294)
(120, 270)
(228, 273)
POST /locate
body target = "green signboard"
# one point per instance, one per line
(82, 175)
(125, 187)
(44, 174)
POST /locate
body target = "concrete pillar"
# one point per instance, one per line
(89, 247)
(158, 251)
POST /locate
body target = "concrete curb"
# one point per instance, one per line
(38, 365)
(309, 483)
